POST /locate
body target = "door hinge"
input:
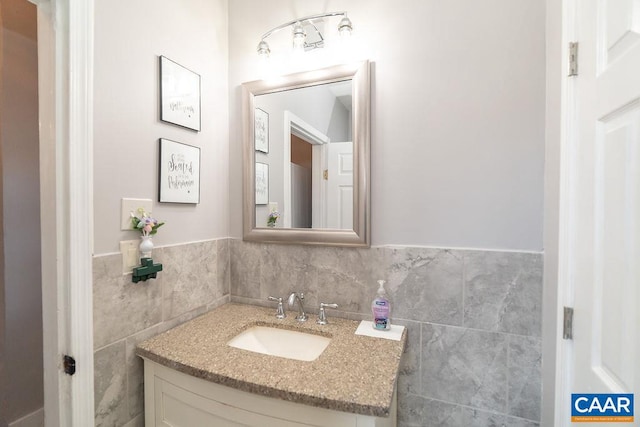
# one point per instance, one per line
(325, 174)
(69, 364)
(573, 59)
(567, 324)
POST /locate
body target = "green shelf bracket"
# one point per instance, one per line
(148, 270)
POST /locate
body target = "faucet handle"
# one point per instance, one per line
(280, 310)
(322, 316)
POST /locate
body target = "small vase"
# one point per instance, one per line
(271, 224)
(146, 246)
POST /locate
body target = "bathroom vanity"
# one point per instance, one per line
(194, 378)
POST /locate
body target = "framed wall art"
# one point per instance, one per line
(261, 131)
(179, 173)
(179, 95)
(262, 183)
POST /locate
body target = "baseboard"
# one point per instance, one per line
(34, 419)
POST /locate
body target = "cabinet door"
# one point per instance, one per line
(173, 399)
(176, 407)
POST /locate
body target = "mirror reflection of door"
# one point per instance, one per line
(339, 183)
(329, 203)
(302, 124)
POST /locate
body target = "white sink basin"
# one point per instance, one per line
(281, 343)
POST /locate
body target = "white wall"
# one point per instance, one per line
(129, 38)
(458, 113)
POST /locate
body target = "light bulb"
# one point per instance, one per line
(299, 37)
(263, 49)
(345, 27)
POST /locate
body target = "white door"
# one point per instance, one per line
(339, 185)
(603, 209)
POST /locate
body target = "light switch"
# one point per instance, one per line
(130, 255)
(132, 205)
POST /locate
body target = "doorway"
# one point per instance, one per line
(21, 349)
(301, 178)
(304, 158)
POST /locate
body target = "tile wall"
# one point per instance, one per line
(194, 280)
(473, 317)
(474, 320)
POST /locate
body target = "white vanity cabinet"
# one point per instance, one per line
(175, 399)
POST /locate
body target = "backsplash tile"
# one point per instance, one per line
(135, 370)
(409, 378)
(464, 366)
(427, 284)
(413, 411)
(194, 280)
(121, 307)
(223, 267)
(245, 268)
(110, 383)
(189, 277)
(525, 373)
(287, 268)
(136, 422)
(503, 292)
(417, 411)
(348, 276)
(473, 319)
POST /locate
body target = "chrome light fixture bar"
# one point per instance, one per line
(299, 32)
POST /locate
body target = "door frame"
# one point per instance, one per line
(560, 140)
(295, 125)
(65, 74)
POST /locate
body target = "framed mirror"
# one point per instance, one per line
(306, 157)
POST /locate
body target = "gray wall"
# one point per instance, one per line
(457, 162)
(129, 38)
(22, 309)
(458, 113)
(457, 145)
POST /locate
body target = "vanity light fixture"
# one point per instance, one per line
(302, 40)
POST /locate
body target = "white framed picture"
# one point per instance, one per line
(262, 183)
(179, 95)
(261, 131)
(179, 173)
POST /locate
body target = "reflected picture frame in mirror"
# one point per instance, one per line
(359, 236)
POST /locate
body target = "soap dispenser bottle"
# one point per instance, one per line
(381, 309)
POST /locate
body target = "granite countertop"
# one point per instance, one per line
(354, 374)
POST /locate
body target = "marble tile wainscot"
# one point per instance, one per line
(194, 280)
(473, 355)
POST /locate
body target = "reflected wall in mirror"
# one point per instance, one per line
(317, 128)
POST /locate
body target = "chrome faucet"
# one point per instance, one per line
(302, 316)
(280, 314)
